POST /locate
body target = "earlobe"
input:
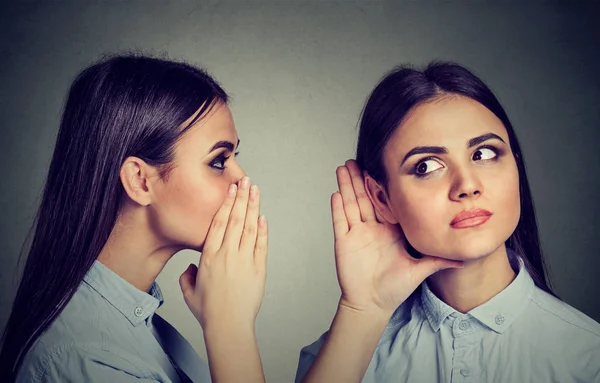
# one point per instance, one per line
(379, 200)
(134, 178)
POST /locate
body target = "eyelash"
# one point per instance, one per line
(414, 169)
(494, 149)
(221, 158)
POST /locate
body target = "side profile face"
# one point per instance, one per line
(204, 166)
(453, 183)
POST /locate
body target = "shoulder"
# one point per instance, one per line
(569, 339)
(82, 322)
(76, 341)
(78, 362)
(557, 312)
(552, 328)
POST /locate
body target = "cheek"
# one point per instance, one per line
(189, 207)
(420, 211)
(204, 204)
(508, 201)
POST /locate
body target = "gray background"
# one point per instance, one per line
(299, 74)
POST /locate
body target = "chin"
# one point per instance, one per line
(186, 244)
(465, 250)
(196, 246)
(199, 248)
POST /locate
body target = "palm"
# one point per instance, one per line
(374, 269)
(373, 265)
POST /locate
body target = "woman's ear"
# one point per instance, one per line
(135, 177)
(379, 200)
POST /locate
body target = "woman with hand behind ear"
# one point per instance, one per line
(444, 180)
(143, 167)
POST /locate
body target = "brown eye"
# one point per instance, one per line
(219, 162)
(426, 167)
(484, 154)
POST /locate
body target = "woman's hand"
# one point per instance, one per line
(375, 271)
(376, 275)
(227, 287)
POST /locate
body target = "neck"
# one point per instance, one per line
(133, 250)
(476, 283)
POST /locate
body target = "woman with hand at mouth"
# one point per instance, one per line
(437, 249)
(144, 166)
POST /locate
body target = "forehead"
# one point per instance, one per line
(216, 125)
(449, 121)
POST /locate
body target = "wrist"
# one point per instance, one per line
(372, 314)
(362, 324)
(228, 329)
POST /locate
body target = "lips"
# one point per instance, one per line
(470, 218)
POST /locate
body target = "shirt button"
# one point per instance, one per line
(138, 311)
(499, 319)
(463, 325)
(465, 371)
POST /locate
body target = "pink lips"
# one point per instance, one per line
(470, 218)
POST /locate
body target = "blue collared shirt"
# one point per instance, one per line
(109, 332)
(522, 334)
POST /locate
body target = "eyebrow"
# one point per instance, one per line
(224, 144)
(442, 150)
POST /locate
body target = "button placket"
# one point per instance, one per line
(467, 340)
(465, 371)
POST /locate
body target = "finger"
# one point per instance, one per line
(216, 232)
(261, 245)
(251, 222)
(338, 217)
(365, 206)
(235, 226)
(429, 265)
(348, 197)
(187, 281)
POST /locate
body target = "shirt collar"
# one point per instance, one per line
(498, 313)
(136, 305)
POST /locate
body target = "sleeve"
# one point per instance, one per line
(85, 364)
(307, 357)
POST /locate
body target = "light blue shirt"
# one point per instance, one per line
(109, 332)
(522, 334)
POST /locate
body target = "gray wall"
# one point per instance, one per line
(299, 74)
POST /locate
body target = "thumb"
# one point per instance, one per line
(187, 280)
(429, 265)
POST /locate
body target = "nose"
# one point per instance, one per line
(466, 185)
(237, 173)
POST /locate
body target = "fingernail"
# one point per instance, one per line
(232, 189)
(262, 221)
(245, 183)
(253, 191)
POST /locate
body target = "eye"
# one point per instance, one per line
(484, 154)
(219, 162)
(426, 166)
